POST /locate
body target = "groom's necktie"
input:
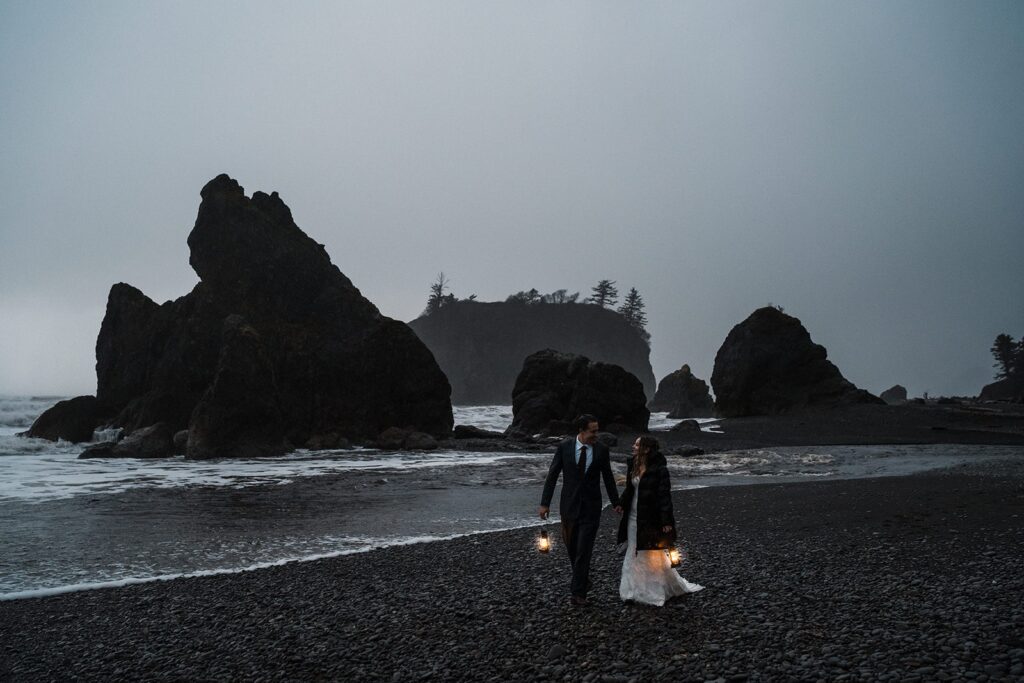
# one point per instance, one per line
(582, 465)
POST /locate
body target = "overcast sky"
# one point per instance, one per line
(859, 163)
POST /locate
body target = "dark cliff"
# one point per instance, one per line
(481, 346)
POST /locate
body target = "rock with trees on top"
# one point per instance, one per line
(1009, 364)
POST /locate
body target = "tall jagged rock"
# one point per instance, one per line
(683, 395)
(338, 366)
(154, 361)
(553, 389)
(481, 345)
(769, 365)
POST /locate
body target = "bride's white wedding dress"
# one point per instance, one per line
(648, 576)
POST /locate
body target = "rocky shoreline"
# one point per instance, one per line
(960, 423)
(900, 578)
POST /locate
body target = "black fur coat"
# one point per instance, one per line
(654, 505)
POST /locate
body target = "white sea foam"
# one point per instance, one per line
(11, 444)
(356, 545)
(491, 418)
(498, 418)
(107, 434)
(35, 470)
(660, 421)
(756, 462)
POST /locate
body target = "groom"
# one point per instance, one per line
(583, 462)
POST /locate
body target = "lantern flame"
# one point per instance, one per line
(544, 543)
(675, 557)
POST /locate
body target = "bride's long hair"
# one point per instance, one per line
(645, 447)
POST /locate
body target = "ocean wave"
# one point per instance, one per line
(491, 418)
(352, 545)
(13, 445)
(48, 471)
(22, 411)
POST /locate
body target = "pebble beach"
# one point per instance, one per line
(916, 577)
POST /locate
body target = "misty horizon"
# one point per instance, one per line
(858, 164)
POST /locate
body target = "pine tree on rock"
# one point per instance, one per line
(605, 294)
(1009, 356)
(437, 296)
(632, 310)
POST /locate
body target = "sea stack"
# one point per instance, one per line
(769, 365)
(683, 395)
(554, 388)
(273, 347)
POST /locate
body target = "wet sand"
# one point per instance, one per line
(898, 578)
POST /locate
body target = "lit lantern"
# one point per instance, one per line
(675, 557)
(544, 543)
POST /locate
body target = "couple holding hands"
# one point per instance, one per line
(647, 527)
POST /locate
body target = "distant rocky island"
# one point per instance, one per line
(481, 346)
(682, 395)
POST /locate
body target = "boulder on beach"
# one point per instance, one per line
(308, 355)
(685, 450)
(686, 426)
(72, 420)
(683, 395)
(481, 345)
(895, 395)
(769, 365)
(1008, 389)
(332, 441)
(472, 432)
(554, 388)
(397, 438)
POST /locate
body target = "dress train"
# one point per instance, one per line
(647, 575)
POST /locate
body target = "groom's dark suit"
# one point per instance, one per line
(580, 504)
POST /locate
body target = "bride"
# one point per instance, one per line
(649, 529)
